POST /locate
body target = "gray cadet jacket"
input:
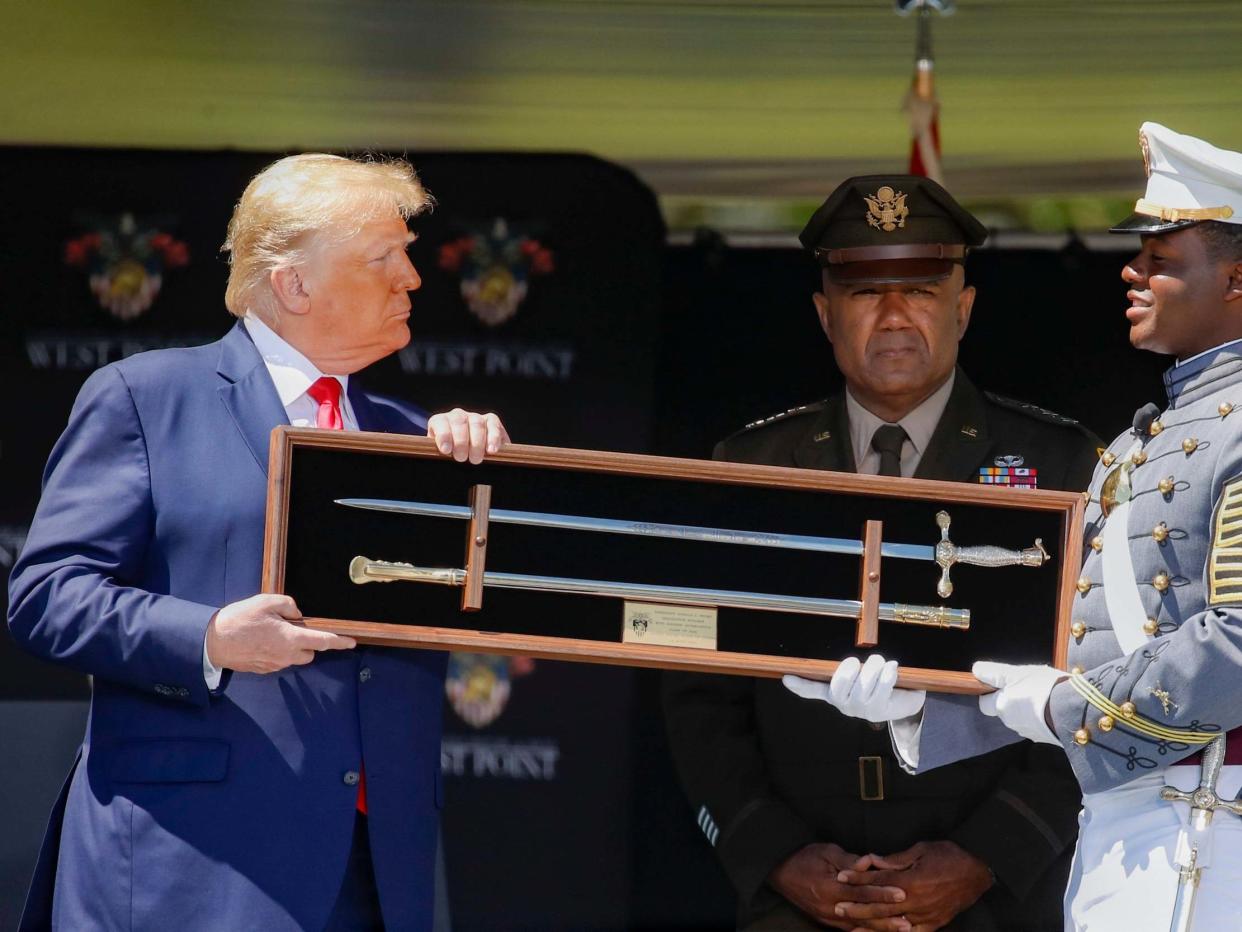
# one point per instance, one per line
(1157, 620)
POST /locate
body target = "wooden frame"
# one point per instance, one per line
(1065, 507)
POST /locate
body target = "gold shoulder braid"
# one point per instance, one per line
(1127, 716)
(1225, 560)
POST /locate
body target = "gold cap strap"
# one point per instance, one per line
(1177, 214)
(1132, 720)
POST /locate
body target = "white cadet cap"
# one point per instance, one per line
(1188, 180)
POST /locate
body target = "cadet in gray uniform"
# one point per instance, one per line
(989, 839)
(1156, 636)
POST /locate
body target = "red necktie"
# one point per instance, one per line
(327, 392)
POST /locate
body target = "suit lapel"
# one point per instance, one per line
(248, 393)
(827, 445)
(366, 413)
(961, 442)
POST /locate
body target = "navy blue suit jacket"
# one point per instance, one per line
(189, 809)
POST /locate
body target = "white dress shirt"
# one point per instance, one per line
(919, 426)
(292, 374)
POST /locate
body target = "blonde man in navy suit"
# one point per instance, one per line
(239, 770)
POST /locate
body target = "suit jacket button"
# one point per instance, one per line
(364, 674)
(350, 778)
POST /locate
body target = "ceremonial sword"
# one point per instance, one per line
(945, 553)
(1197, 850)
(362, 570)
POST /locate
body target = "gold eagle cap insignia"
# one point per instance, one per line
(886, 209)
(1145, 148)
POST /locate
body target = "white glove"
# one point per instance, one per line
(1021, 696)
(862, 690)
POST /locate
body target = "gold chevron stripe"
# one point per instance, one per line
(1223, 561)
(1135, 721)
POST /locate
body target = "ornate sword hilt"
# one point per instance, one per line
(1204, 799)
(948, 553)
(1195, 845)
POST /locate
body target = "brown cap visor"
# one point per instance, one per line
(890, 270)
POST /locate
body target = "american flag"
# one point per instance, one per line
(921, 104)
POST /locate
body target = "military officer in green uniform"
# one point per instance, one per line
(790, 792)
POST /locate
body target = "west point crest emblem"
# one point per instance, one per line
(478, 686)
(886, 209)
(126, 260)
(496, 266)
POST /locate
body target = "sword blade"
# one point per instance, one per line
(711, 535)
(1183, 918)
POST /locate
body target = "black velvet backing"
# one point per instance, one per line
(1013, 608)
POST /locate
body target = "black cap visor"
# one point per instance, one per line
(890, 271)
(1144, 223)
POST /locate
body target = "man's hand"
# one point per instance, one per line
(465, 435)
(808, 879)
(261, 635)
(865, 690)
(939, 879)
(1021, 697)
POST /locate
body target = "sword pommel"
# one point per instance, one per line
(362, 570)
(1037, 555)
(358, 572)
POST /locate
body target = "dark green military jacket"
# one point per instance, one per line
(768, 773)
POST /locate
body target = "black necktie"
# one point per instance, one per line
(887, 441)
